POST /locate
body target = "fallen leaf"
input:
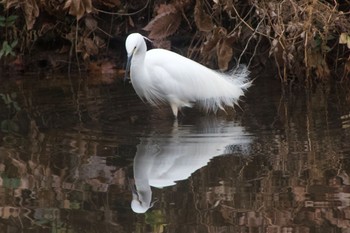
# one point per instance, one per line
(182, 4)
(90, 46)
(131, 22)
(10, 3)
(224, 52)
(31, 12)
(164, 24)
(202, 19)
(165, 44)
(78, 8)
(317, 61)
(212, 40)
(90, 23)
(165, 8)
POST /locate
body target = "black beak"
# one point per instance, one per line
(127, 68)
(133, 190)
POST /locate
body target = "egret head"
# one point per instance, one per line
(141, 200)
(140, 207)
(134, 44)
(137, 207)
(136, 204)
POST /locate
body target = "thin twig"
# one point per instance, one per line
(124, 14)
(250, 38)
(254, 53)
(245, 23)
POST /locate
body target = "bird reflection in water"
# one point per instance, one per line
(162, 159)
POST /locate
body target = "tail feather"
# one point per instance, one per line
(237, 82)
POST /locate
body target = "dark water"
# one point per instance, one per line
(73, 149)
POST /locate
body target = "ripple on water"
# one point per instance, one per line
(71, 149)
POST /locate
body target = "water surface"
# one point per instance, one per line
(73, 149)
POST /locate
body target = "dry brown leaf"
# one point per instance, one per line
(78, 8)
(51, 7)
(131, 22)
(45, 27)
(224, 52)
(10, 3)
(90, 46)
(31, 12)
(90, 23)
(164, 24)
(165, 44)
(202, 19)
(87, 5)
(229, 8)
(347, 65)
(344, 39)
(2, 167)
(99, 42)
(212, 39)
(165, 8)
(212, 44)
(181, 4)
(317, 61)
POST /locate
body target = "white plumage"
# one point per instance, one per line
(161, 76)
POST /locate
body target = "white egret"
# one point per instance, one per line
(163, 159)
(161, 76)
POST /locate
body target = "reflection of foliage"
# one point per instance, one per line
(156, 219)
(294, 171)
(10, 183)
(7, 49)
(9, 125)
(9, 100)
(8, 45)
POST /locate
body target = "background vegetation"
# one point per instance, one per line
(306, 40)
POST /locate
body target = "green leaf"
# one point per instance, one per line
(9, 126)
(13, 95)
(11, 182)
(41, 222)
(326, 49)
(2, 21)
(11, 18)
(16, 106)
(7, 49)
(6, 98)
(4, 43)
(14, 43)
(75, 205)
